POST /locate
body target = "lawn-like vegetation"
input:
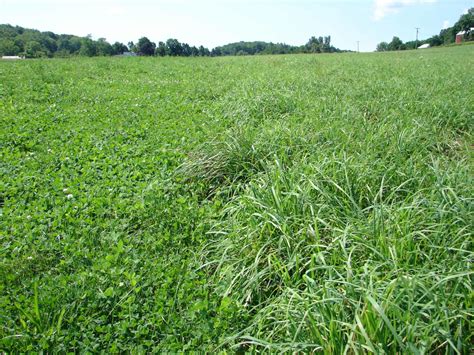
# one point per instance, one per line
(302, 202)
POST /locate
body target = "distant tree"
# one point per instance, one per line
(382, 47)
(33, 49)
(466, 21)
(413, 44)
(313, 45)
(132, 47)
(88, 47)
(326, 47)
(145, 47)
(119, 48)
(64, 45)
(103, 47)
(174, 47)
(186, 50)
(448, 35)
(51, 35)
(69, 45)
(216, 52)
(396, 44)
(203, 52)
(194, 51)
(8, 47)
(434, 41)
(318, 45)
(161, 50)
(49, 44)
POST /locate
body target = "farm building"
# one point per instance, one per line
(127, 54)
(424, 46)
(460, 36)
(11, 57)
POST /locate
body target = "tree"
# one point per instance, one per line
(186, 52)
(88, 47)
(8, 47)
(33, 49)
(174, 47)
(161, 50)
(435, 41)
(216, 52)
(194, 51)
(313, 45)
(119, 48)
(396, 44)
(327, 44)
(145, 47)
(103, 47)
(203, 52)
(133, 48)
(382, 47)
(466, 21)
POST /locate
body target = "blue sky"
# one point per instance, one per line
(217, 22)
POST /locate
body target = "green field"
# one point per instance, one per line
(282, 203)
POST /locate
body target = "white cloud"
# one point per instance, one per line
(445, 24)
(384, 7)
(466, 11)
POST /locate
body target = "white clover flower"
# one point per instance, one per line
(28, 217)
(65, 190)
(69, 196)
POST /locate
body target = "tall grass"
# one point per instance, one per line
(351, 236)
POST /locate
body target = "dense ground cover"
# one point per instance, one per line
(305, 202)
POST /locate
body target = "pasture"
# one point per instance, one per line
(272, 203)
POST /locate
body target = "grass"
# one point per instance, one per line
(270, 203)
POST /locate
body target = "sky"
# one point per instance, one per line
(217, 22)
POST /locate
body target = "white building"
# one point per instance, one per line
(12, 57)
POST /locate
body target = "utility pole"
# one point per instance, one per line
(358, 51)
(416, 43)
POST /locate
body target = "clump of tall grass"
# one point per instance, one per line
(245, 151)
(250, 106)
(337, 254)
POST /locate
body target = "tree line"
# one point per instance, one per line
(16, 40)
(314, 45)
(446, 36)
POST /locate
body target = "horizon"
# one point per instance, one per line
(212, 24)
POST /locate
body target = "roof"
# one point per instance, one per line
(423, 46)
(462, 33)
